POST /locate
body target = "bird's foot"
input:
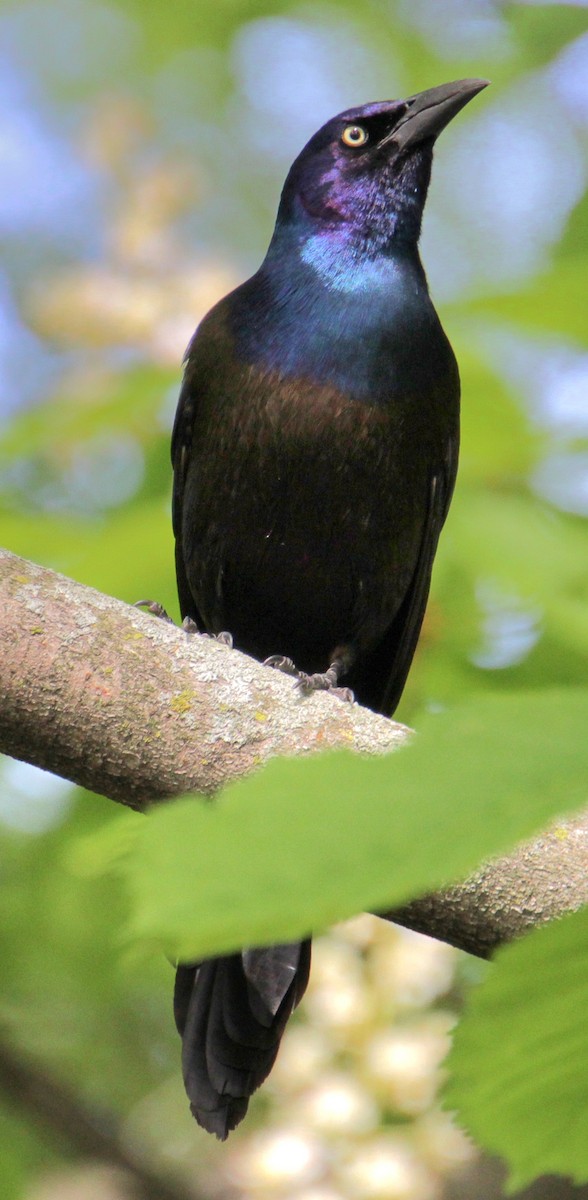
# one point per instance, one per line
(188, 624)
(225, 638)
(153, 606)
(324, 681)
(279, 662)
(190, 627)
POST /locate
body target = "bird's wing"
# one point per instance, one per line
(207, 360)
(181, 446)
(379, 678)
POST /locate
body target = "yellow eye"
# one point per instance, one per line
(354, 135)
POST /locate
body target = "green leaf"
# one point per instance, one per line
(519, 1061)
(495, 438)
(311, 841)
(507, 537)
(553, 303)
(103, 851)
(542, 33)
(129, 402)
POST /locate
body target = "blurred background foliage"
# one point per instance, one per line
(142, 150)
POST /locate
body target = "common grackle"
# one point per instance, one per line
(315, 452)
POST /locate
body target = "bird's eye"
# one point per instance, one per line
(354, 135)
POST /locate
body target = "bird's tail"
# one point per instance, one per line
(231, 1013)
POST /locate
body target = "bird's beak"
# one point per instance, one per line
(429, 112)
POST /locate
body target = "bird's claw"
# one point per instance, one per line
(189, 625)
(321, 681)
(279, 662)
(153, 606)
(326, 681)
(225, 638)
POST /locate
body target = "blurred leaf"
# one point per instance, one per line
(165, 33)
(495, 436)
(518, 1063)
(128, 401)
(24, 1152)
(554, 302)
(309, 842)
(575, 235)
(105, 850)
(67, 996)
(519, 543)
(133, 556)
(543, 31)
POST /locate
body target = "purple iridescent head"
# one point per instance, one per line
(369, 167)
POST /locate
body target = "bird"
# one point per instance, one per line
(315, 452)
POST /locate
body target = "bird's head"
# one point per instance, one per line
(366, 172)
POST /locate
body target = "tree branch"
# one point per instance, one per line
(134, 709)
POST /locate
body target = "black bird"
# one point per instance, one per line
(315, 451)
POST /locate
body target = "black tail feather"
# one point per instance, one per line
(231, 1013)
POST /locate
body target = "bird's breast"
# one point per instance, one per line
(305, 507)
(363, 326)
